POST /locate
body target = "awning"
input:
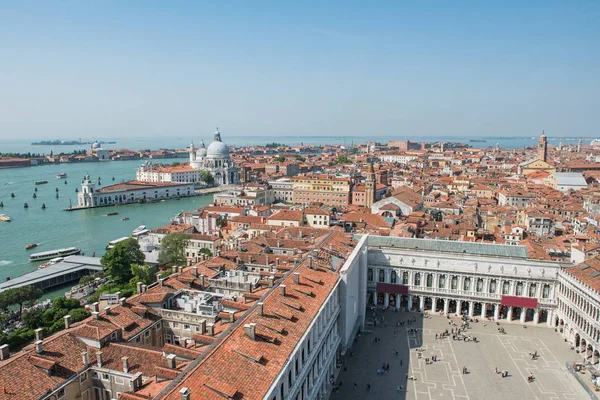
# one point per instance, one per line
(514, 301)
(391, 288)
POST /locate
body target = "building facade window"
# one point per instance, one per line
(492, 286)
(479, 285)
(519, 291)
(429, 280)
(546, 291)
(442, 281)
(506, 288)
(370, 274)
(467, 284)
(532, 289)
(417, 279)
(393, 277)
(405, 278)
(454, 283)
(381, 275)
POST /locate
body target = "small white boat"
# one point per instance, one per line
(4, 217)
(139, 229)
(62, 175)
(51, 262)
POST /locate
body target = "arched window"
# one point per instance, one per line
(467, 284)
(370, 274)
(381, 275)
(546, 291)
(506, 287)
(519, 291)
(405, 278)
(417, 279)
(454, 283)
(479, 285)
(429, 280)
(393, 277)
(532, 289)
(493, 286)
(442, 281)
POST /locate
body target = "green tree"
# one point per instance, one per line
(63, 302)
(206, 251)
(141, 273)
(221, 221)
(117, 261)
(172, 249)
(19, 296)
(79, 314)
(279, 159)
(300, 158)
(207, 177)
(33, 318)
(342, 160)
(86, 279)
(175, 164)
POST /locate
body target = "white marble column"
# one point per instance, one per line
(471, 309)
(422, 303)
(386, 299)
(446, 305)
(496, 312)
(550, 320)
(536, 317)
(398, 299)
(434, 304)
(410, 300)
(458, 307)
(523, 313)
(483, 310)
(509, 314)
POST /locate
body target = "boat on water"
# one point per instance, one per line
(40, 182)
(139, 229)
(4, 217)
(51, 262)
(113, 243)
(478, 141)
(125, 219)
(175, 198)
(112, 213)
(30, 246)
(62, 175)
(48, 255)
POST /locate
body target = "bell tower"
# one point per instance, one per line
(543, 148)
(370, 186)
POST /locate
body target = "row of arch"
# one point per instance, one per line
(570, 333)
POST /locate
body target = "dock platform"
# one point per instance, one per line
(72, 268)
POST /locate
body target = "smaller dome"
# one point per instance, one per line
(95, 145)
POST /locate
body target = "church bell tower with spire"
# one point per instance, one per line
(543, 148)
(370, 186)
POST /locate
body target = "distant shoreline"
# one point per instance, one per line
(65, 143)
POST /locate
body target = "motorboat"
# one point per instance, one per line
(139, 229)
(4, 217)
(112, 213)
(51, 262)
(48, 255)
(40, 182)
(62, 175)
(125, 219)
(30, 246)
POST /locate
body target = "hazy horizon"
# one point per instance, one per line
(337, 69)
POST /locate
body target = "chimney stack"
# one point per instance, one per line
(67, 321)
(39, 346)
(39, 334)
(202, 280)
(250, 330)
(107, 310)
(261, 306)
(118, 295)
(297, 278)
(95, 314)
(139, 287)
(195, 271)
(203, 327)
(84, 356)
(144, 288)
(171, 361)
(122, 301)
(99, 359)
(184, 394)
(310, 261)
(161, 282)
(158, 276)
(271, 280)
(96, 307)
(231, 316)
(282, 289)
(277, 261)
(210, 329)
(125, 364)
(4, 352)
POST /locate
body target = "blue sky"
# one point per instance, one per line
(143, 68)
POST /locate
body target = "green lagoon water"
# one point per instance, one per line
(53, 228)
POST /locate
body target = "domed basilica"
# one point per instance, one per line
(216, 159)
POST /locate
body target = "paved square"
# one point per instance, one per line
(444, 380)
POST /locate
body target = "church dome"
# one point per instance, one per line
(217, 149)
(201, 152)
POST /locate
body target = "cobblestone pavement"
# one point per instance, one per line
(444, 380)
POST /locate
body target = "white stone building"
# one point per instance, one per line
(216, 160)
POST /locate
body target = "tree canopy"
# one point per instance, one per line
(141, 273)
(172, 249)
(117, 261)
(206, 176)
(279, 159)
(19, 296)
(342, 160)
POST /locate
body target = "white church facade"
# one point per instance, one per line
(216, 159)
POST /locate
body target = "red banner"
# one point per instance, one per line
(514, 301)
(391, 288)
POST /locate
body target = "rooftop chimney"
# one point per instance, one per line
(267, 260)
(99, 359)
(310, 262)
(184, 394)
(95, 307)
(203, 327)
(107, 310)
(171, 361)
(144, 288)
(125, 364)
(161, 281)
(39, 346)
(282, 289)
(261, 308)
(195, 271)
(271, 280)
(4, 352)
(202, 280)
(250, 330)
(122, 301)
(210, 329)
(277, 261)
(67, 321)
(39, 334)
(118, 295)
(95, 314)
(84, 356)
(297, 278)
(158, 276)
(231, 316)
